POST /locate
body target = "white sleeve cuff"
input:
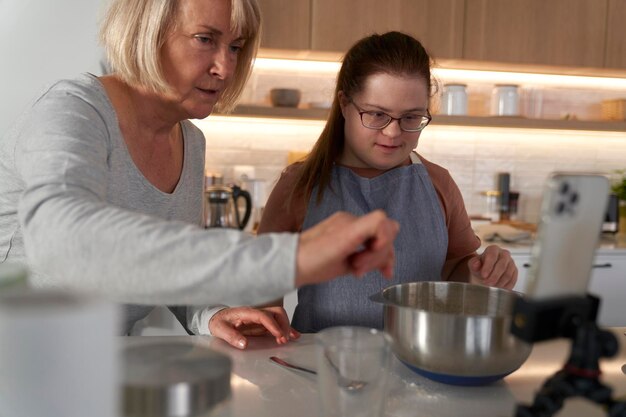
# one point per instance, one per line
(198, 318)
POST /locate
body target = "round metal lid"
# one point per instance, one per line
(174, 379)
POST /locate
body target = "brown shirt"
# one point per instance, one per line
(285, 214)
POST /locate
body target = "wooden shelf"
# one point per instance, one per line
(525, 123)
(280, 112)
(495, 122)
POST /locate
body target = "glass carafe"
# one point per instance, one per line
(221, 207)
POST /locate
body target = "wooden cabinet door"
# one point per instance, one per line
(286, 24)
(337, 24)
(616, 35)
(553, 32)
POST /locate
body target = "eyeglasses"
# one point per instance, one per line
(378, 120)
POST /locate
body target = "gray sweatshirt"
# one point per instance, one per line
(75, 209)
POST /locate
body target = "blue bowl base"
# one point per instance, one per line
(457, 379)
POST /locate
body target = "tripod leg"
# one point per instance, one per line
(602, 394)
(616, 409)
(549, 400)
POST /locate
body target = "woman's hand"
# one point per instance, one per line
(494, 267)
(234, 324)
(345, 244)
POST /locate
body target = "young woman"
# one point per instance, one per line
(102, 178)
(364, 160)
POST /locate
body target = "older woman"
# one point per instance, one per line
(102, 178)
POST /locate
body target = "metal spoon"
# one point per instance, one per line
(343, 382)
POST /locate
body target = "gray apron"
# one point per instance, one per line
(408, 196)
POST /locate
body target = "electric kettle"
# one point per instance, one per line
(221, 206)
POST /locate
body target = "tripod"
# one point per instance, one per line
(573, 318)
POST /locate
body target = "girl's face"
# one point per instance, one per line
(396, 95)
(199, 57)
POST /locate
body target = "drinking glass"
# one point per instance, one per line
(352, 365)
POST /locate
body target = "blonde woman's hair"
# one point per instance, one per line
(134, 31)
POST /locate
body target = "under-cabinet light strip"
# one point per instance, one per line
(536, 79)
(297, 65)
(460, 75)
(303, 127)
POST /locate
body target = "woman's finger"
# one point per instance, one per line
(280, 315)
(225, 330)
(267, 320)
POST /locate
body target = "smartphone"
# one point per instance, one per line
(572, 213)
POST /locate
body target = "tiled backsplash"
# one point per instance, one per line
(473, 155)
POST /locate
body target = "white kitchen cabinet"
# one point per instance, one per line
(522, 261)
(608, 281)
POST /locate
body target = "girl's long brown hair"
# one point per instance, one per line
(390, 53)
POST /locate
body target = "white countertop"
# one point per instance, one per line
(264, 389)
(608, 245)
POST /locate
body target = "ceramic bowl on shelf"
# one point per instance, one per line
(453, 332)
(285, 97)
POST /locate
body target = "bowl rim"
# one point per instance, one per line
(388, 302)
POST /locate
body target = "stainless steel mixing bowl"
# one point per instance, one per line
(453, 332)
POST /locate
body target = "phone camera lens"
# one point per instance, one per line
(564, 188)
(573, 198)
(560, 207)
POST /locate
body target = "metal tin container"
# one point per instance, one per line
(453, 332)
(167, 379)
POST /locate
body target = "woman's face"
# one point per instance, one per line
(397, 96)
(199, 56)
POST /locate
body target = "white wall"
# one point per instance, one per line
(42, 41)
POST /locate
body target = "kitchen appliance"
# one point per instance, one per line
(504, 181)
(174, 379)
(221, 206)
(258, 193)
(453, 332)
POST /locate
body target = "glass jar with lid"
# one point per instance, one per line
(454, 100)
